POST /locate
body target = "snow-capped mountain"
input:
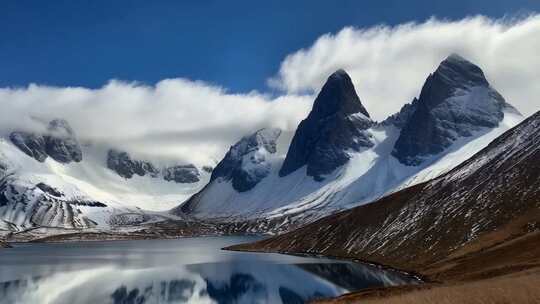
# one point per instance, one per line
(494, 195)
(336, 125)
(50, 179)
(339, 158)
(456, 101)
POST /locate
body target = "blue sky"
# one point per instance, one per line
(234, 44)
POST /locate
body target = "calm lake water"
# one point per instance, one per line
(191, 270)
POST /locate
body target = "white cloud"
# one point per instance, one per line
(175, 119)
(389, 64)
(197, 122)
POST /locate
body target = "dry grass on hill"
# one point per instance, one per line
(516, 289)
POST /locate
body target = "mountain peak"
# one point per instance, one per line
(339, 74)
(455, 101)
(457, 70)
(60, 143)
(456, 57)
(338, 95)
(336, 125)
(246, 163)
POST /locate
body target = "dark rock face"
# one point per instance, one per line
(337, 123)
(3, 169)
(50, 190)
(455, 101)
(401, 118)
(121, 163)
(60, 143)
(42, 205)
(31, 144)
(245, 163)
(182, 174)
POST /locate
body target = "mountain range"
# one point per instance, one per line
(49, 179)
(478, 221)
(339, 158)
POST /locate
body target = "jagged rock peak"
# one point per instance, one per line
(455, 101)
(122, 163)
(184, 174)
(336, 125)
(31, 144)
(265, 138)
(246, 163)
(59, 142)
(456, 69)
(125, 166)
(338, 95)
(401, 118)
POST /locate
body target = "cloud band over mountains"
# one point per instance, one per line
(388, 65)
(189, 119)
(197, 122)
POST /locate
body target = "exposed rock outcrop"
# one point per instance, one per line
(59, 142)
(182, 174)
(455, 101)
(245, 164)
(31, 144)
(124, 165)
(337, 123)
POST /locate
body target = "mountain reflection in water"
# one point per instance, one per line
(229, 278)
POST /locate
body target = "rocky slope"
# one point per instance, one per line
(426, 223)
(49, 179)
(122, 163)
(339, 158)
(246, 164)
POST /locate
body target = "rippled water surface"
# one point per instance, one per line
(191, 270)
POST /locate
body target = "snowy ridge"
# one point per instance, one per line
(78, 195)
(457, 114)
(496, 190)
(368, 175)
